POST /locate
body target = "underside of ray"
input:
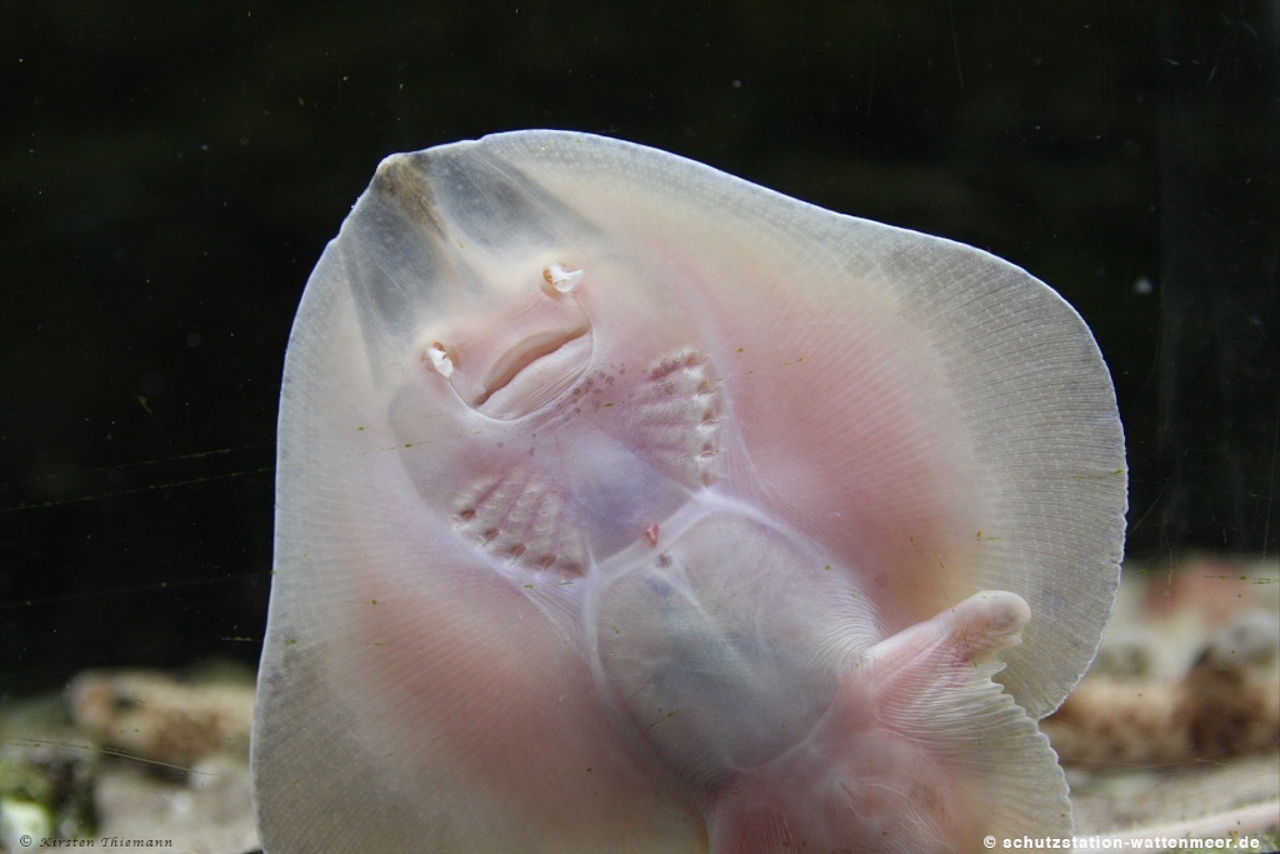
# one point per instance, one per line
(937, 419)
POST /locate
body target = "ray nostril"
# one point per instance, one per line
(562, 279)
(439, 359)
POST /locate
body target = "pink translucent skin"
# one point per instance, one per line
(624, 506)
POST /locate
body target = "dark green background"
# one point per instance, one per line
(170, 172)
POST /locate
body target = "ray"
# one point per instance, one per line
(626, 506)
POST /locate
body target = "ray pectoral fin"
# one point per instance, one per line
(923, 752)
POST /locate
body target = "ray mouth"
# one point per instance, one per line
(533, 371)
